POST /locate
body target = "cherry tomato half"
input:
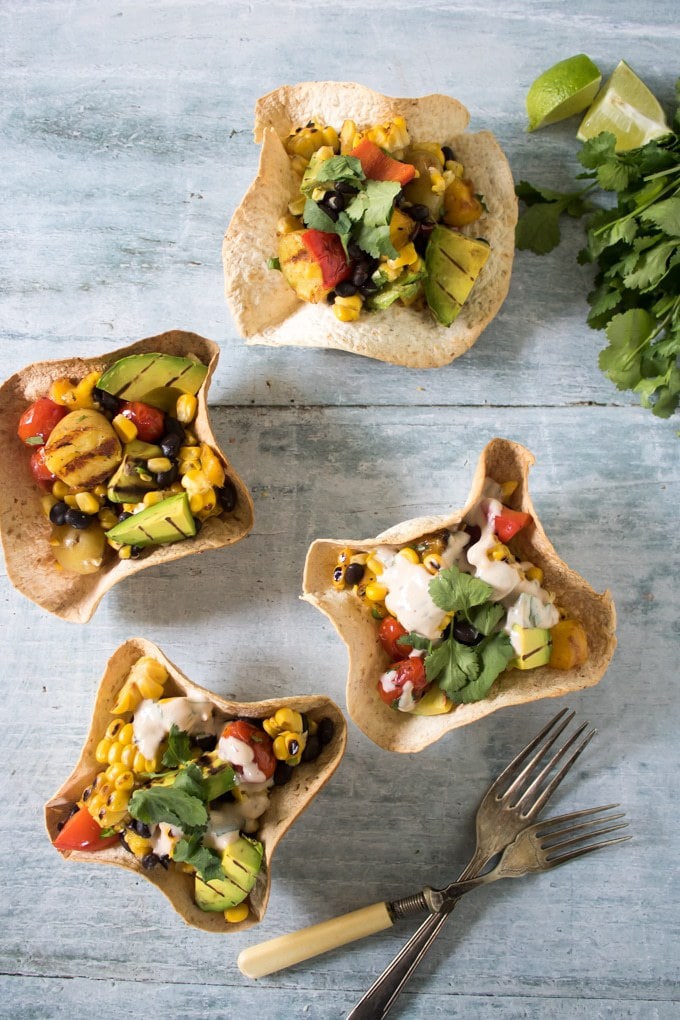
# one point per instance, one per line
(408, 671)
(38, 420)
(389, 632)
(509, 522)
(258, 740)
(150, 421)
(39, 469)
(81, 832)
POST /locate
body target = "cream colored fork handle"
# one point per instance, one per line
(286, 950)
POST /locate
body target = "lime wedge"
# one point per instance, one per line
(561, 91)
(627, 109)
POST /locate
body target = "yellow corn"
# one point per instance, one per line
(203, 503)
(507, 489)
(305, 141)
(82, 394)
(124, 551)
(146, 679)
(289, 746)
(71, 501)
(391, 135)
(374, 565)
(288, 225)
(107, 518)
(344, 556)
(376, 592)
(60, 489)
(186, 408)
(211, 466)
(47, 502)
(60, 391)
(153, 497)
(87, 502)
(349, 136)
(158, 464)
(347, 309)
(299, 164)
(338, 580)
(534, 574)
(284, 719)
(432, 563)
(108, 797)
(126, 430)
(195, 482)
(136, 844)
(409, 554)
(117, 746)
(500, 552)
(234, 915)
(296, 206)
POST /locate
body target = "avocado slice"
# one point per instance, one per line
(219, 776)
(241, 863)
(168, 521)
(139, 450)
(433, 702)
(453, 262)
(156, 379)
(131, 482)
(532, 645)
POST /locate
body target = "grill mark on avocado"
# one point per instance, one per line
(457, 265)
(169, 521)
(442, 288)
(166, 385)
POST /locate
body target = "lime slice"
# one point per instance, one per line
(627, 108)
(563, 90)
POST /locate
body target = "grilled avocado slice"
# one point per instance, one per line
(453, 262)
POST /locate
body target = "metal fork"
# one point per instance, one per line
(515, 797)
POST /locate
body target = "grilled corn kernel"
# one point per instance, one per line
(391, 135)
(108, 797)
(47, 502)
(347, 309)
(287, 745)
(432, 563)
(234, 915)
(288, 225)
(500, 552)
(284, 719)
(534, 574)
(376, 592)
(60, 391)
(296, 206)
(60, 489)
(211, 466)
(153, 497)
(125, 552)
(107, 518)
(409, 554)
(82, 393)
(507, 489)
(158, 464)
(305, 141)
(338, 579)
(344, 556)
(71, 501)
(195, 482)
(136, 844)
(349, 136)
(146, 680)
(117, 746)
(374, 565)
(126, 430)
(186, 408)
(87, 502)
(203, 502)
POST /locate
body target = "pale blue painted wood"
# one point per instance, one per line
(126, 136)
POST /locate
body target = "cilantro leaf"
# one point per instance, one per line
(453, 666)
(454, 591)
(665, 215)
(495, 653)
(538, 229)
(190, 850)
(179, 748)
(628, 334)
(315, 218)
(415, 641)
(181, 805)
(486, 617)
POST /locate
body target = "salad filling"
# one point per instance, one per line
(458, 608)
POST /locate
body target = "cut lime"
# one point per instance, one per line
(627, 109)
(563, 90)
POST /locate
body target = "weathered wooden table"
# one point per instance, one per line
(126, 137)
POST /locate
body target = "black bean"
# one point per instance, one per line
(58, 512)
(77, 519)
(325, 730)
(354, 251)
(401, 200)
(354, 573)
(141, 828)
(150, 861)
(198, 524)
(330, 297)
(361, 273)
(334, 201)
(475, 533)
(465, 633)
(331, 213)
(312, 748)
(136, 551)
(419, 212)
(346, 288)
(282, 773)
(106, 401)
(345, 188)
(170, 444)
(448, 153)
(368, 288)
(174, 427)
(206, 742)
(227, 495)
(164, 479)
(123, 516)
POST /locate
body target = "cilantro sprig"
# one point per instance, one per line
(634, 242)
(464, 672)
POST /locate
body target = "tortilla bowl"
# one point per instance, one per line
(267, 310)
(24, 528)
(502, 461)
(286, 802)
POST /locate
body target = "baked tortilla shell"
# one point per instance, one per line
(265, 307)
(286, 802)
(25, 530)
(502, 461)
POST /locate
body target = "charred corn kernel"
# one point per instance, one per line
(47, 502)
(500, 552)
(283, 720)
(569, 646)
(200, 502)
(146, 680)
(299, 164)
(361, 558)
(437, 181)
(534, 574)
(189, 437)
(344, 556)
(60, 489)
(288, 225)
(107, 518)
(82, 392)
(136, 844)
(237, 914)
(409, 554)
(108, 797)
(87, 502)
(117, 746)
(126, 430)
(153, 497)
(376, 592)
(71, 501)
(124, 552)
(157, 464)
(391, 135)
(211, 466)
(454, 167)
(100, 490)
(195, 482)
(347, 309)
(338, 579)
(60, 391)
(432, 563)
(374, 565)
(305, 141)
(349, 136)
(186, 408)
(507, 489)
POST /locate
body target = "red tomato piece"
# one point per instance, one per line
(39, 469)
(150, 421)
(509, 522)
(378, 166)
(258, 740)
(38, 420)
(411, 671)
(389, 632)
(327, 250)
(82, 832)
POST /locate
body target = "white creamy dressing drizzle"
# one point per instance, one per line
(408, 597)
(240, 754)
(163, 838)
(406, 702)
(154, 719)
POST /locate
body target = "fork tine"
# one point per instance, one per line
(533, 743)
(549, 835)
(540, 754)
(584, 835)
(572, 854)
(559, 776)
(542, 828)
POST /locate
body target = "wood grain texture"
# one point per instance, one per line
(126, 135)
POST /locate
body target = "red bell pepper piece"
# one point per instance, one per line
(509, 522)
(81, 832)
(327, 250)
(378, 166)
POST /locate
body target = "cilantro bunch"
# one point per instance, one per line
(465, 672)
(183, 804)
(635, 246)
